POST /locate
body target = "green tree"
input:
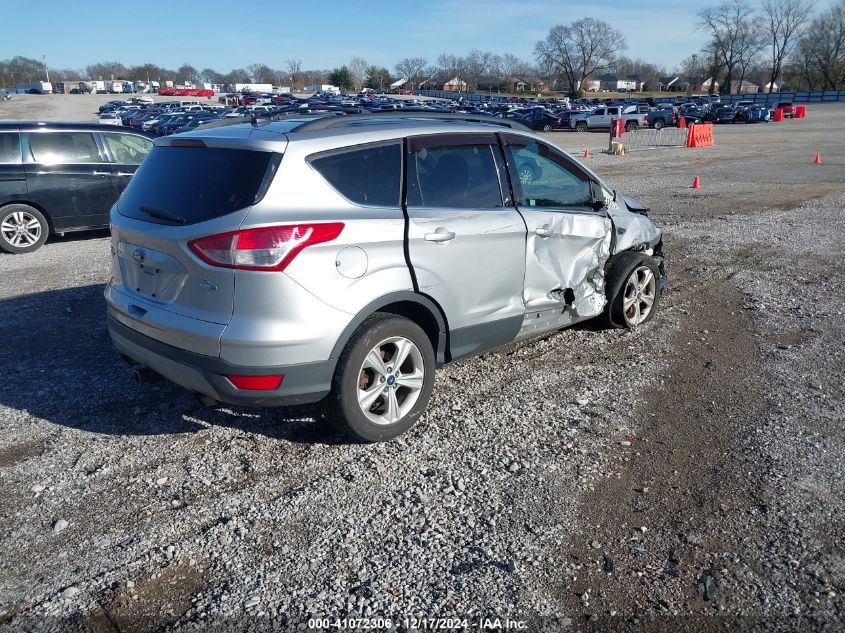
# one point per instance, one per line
(342, 78)
(378, 78)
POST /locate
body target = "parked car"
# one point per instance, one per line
(61, 177)
(110, 118)
(729, 114)
(272, 263)
(758, 114)
(545, 121)
(788, 109)
(694, 114)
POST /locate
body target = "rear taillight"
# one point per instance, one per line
(266, 248)
(256, 383)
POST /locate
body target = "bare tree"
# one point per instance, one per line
(495, 70)
(476, 65)
(730, 26)
(260, 73)
(752, 42)
(358, 69)
(294, 68)
(823, 47)
(411, 68)
(511, 67)
(187, 72)
(783, 21)
(579, 49)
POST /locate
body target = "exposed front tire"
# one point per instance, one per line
(383, 380)
(632, 288)
(23, 229)
(547, 128)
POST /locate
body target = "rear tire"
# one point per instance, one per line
(581, 126)
(630, 126)
(23, 229)
(632, 288)
(658, 125)
(547, 128)
(372, 399)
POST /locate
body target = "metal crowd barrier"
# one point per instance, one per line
(654, 139)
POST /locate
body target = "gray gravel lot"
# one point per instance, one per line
(686, 476)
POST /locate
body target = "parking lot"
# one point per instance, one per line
(684, 475)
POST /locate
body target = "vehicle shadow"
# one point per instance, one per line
(59, 365)
(75, 236)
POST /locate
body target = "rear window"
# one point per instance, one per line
(195, 184)
(368, 176)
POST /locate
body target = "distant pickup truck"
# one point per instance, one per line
(665, 117)
(600, 119)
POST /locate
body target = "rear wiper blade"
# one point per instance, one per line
(162, 215)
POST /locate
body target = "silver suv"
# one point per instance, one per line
(341, 260)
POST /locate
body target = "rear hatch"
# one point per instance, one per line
(185, 189)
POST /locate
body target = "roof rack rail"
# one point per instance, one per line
(225, 122)
(328, 122)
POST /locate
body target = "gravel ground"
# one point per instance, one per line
(687, 476)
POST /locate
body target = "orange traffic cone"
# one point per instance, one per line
(818, 160)
(696, 183)
(586, 153)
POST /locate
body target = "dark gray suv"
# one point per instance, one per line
(341, 260)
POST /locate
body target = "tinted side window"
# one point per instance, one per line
(369, 175)
(50, 148)
(128, 149)
(10, 148)
(461, 176)
(545, 178)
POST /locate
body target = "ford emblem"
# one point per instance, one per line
(139, 256)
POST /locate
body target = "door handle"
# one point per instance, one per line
(544, 231)
(136, 311)
(440, 235)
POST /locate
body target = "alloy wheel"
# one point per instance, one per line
(390, 380)
(21, 229)
(638, 299)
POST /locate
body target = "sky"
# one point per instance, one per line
(227, 34)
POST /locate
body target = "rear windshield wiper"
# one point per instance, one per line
(162, 215)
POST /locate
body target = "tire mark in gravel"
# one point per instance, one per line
(681, 479)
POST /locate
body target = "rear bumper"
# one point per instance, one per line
(206, 375)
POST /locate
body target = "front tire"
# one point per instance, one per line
(547, 128)
(383, 379)
(632, 288)
(23, 229)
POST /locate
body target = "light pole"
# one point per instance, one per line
(46, 70)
